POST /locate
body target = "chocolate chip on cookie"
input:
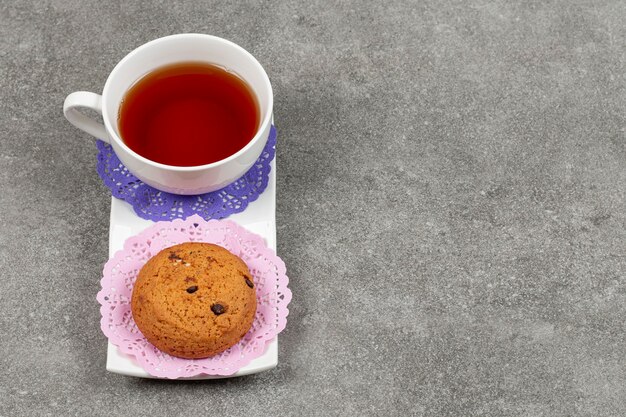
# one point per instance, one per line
(218, 309)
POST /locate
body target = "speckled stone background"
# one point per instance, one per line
(451, 207)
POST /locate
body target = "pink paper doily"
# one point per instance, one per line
(121, 270)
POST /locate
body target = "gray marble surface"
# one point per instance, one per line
(451, 207)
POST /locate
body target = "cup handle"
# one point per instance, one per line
(88, 100)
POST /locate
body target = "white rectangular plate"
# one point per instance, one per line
(259, 217)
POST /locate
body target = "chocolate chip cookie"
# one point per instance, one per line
(194, 300)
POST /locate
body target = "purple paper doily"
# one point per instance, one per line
(152, 204)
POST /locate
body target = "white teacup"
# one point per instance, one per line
(157, 53)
